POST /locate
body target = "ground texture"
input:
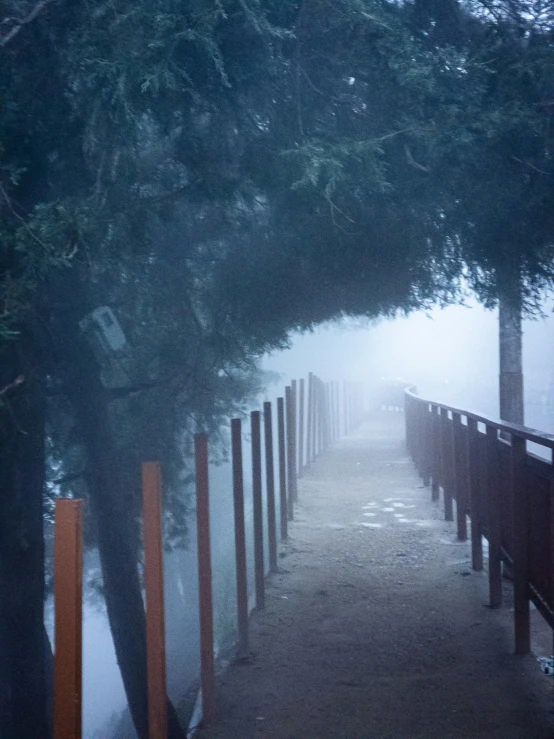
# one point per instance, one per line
(376, 628)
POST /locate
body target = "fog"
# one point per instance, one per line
(450, 354)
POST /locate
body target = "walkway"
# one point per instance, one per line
(376, 628)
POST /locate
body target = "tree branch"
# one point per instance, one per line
(531, 166)
(16, 383)
(18, 23)
(412, 161)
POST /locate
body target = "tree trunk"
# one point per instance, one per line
(118, 556)
(510, 345)
(25, 653)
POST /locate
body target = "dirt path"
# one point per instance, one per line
(377, 628)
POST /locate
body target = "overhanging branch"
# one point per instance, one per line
(18, 23)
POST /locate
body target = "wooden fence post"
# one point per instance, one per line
(154, 591)
(427, 444)
(283, 507)
(68, 624)
(240, 536)
(436, 465)
(270, 486)
(459, 476)
(475, 495)
(493, 523)
(446, 465)
(259, 569)
(521, 533)
(205, 597)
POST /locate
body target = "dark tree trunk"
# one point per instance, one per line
(118, 554)
(511, 352)
(24, 648)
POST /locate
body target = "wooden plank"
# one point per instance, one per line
(154, 591)
(68, 620)
(493, 520)
(475, 496)
(521, 533)
(205, 596)
(240, 537)
(283, 507)
(270, 486)
(259, 568)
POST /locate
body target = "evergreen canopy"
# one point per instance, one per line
(220, 173)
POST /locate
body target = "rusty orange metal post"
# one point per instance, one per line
(290, 453)
(154, 589)
(317, 418)
(345, 407)
(328, 417)
(270, 488)
(336, 431)
(294, 399)
(301, 429)
(337, 408)
(309, 421)
(350, 409)
(330, 412)
(333, 411)
(321, 404)
(68, 599)
(240, 536)
(314, 420)
(282, 468)
(259, 569)
(323, 415)
(205, 597)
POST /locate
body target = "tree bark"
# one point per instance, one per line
(118, 553)
(511, 353)
(25, 652)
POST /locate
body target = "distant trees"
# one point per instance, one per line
(503, 191)
(220, 173)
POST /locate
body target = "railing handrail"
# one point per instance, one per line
(500, 486)
(514, 429)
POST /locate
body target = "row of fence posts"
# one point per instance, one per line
(465, 463)
(310, 417)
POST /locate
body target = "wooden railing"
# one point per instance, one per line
(485, 468)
